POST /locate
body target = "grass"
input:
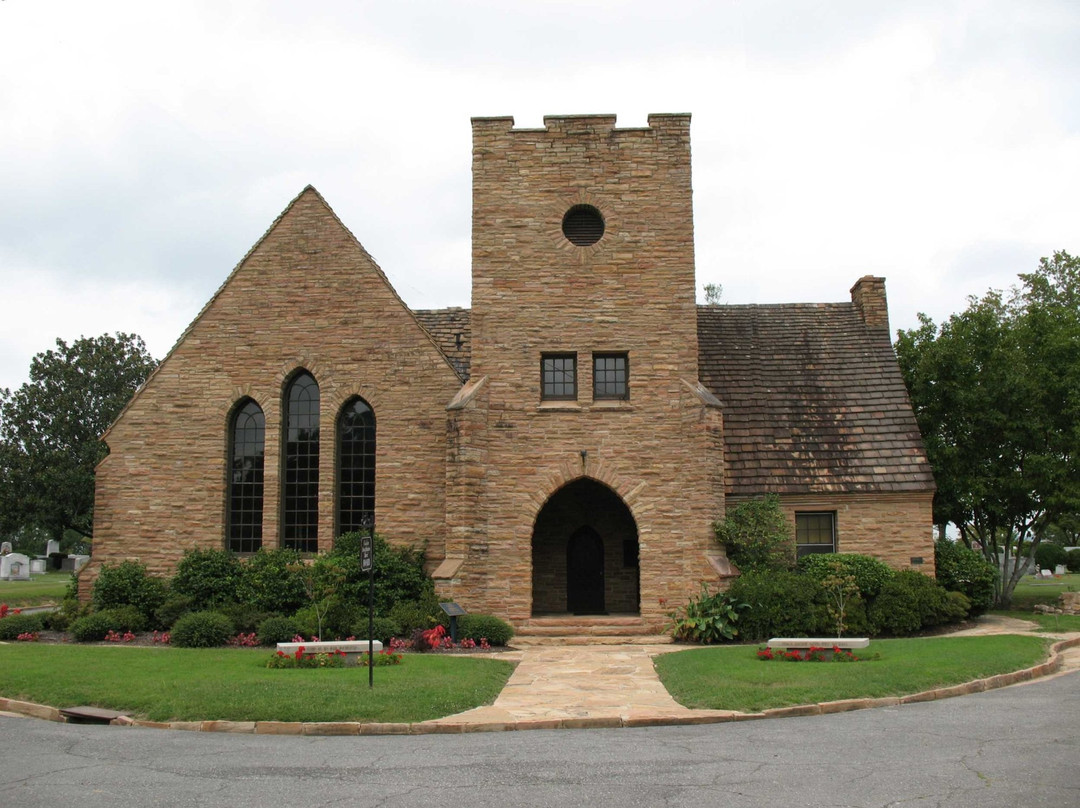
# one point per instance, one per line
(181, 684)
(733, 678)
(42, 588)
(1030, 591)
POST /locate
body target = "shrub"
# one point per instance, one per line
(782, 604)
(757, 536)
(960, 569)
(1048, 556)
(709, 618)
(1072, 561)
(412, 616)
(909, 602)
(128, 584)
(174, 607)
(70, 609)
(209, 577)
(399, 573)
(958, 607)
(202, 630)
(481, 626)
(95, 626)
(277, 629)
(385, 629)
(244, 618)
(15, 624)
(267, 584)
(869, 573)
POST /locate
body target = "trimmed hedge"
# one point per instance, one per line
(209, 577)
(201, 630)
(95, 626)
(277, 629)
(15, 624)
(484, 626)
(910, 602)
(870, 574)
(781, 604)
(128, 584)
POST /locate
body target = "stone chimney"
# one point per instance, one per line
(868, 295)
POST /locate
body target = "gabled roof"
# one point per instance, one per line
(813, 401)
(451, 332)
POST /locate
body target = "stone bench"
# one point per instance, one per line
(804, 644)
(351, 648)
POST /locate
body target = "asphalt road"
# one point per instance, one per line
(1018, 746)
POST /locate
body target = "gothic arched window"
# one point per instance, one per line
(247, 440)
(300, 482)
(356, 466)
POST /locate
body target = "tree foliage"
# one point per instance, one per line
(50, 429)
(996, 390)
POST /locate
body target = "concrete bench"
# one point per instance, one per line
(351, 648)
(828, 643)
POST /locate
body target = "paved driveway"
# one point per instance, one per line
(1018, 746)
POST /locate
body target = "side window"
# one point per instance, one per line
(611, 376)
(356, 465)
(815, 532)
(558, 377)
(300, 480)
(247, 441)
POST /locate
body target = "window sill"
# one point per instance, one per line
(557, 405)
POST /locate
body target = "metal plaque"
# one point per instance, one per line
(452, 609)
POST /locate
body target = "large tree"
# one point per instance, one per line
(996, 390)
(51, 426)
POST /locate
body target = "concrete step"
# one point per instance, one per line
(530, 641)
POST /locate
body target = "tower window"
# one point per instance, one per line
(610, 375)
(558, 377)
(583, 225)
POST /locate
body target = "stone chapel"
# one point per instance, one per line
(560, 449)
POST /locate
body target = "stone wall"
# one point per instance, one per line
(306, 296)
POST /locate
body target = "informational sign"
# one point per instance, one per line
(452, 609)
(366, 553)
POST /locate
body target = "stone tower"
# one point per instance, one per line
(585, 459)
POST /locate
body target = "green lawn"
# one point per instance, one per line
(42, 588)
(180, 684)
(1031, 590)
(733, 678)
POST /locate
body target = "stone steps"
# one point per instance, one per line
(591, 630)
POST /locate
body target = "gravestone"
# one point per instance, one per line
(5, 548)
(14, 567)
(53, 546)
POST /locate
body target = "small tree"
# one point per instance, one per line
(321, 580)
(757, 535)
(840, 587)
(713, 293)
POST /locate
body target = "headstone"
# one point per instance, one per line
(14, 567)
(37, 566)
(1060, 569)
(53, 546)
(81, 561)
(5, 548)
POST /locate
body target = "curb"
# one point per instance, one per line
(1052, 665)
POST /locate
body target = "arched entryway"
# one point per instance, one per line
(585, 553)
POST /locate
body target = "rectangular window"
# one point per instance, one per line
(815, 532)
(558, 377)
(610, 373)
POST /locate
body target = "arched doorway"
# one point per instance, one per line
(585, 553)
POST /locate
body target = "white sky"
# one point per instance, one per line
(146, 146)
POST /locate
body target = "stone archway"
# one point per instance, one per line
(585, 553)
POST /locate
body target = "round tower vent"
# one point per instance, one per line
(583, 225)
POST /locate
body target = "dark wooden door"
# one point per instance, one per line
(585, 572)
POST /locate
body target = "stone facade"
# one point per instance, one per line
(597, 499)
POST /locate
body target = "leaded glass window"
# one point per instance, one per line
(356, 466)
(247, 438)
(610, 376)
(300, 495)
(815, 532)
(558, 376)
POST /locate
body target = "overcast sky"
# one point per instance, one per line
(146, 146)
